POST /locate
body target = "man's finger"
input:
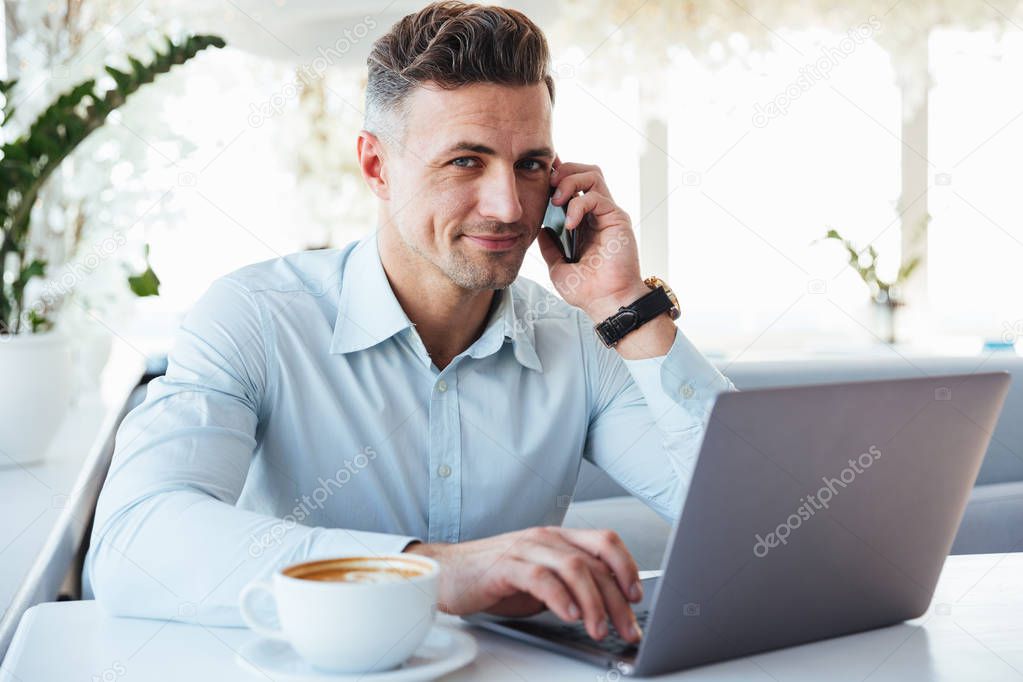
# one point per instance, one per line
(542, 583)
(568, 185)
(577, 567)
(620, 611)
(574, 569)
(607, 546)
(566, 169)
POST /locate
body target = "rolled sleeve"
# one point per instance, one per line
(648, 419)
(680, 387)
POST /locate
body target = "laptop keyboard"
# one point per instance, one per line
(576, 632)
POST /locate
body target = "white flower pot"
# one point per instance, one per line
(35, 391)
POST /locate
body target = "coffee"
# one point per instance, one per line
(355, 614)
(358, 575)
(358, 570)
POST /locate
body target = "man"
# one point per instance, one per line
(407, 392)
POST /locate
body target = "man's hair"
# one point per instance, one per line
(451, 44)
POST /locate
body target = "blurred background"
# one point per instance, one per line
(736, 134)
(831, 188)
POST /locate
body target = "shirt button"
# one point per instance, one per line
(688, 391)
(443, 471)
(442, 385)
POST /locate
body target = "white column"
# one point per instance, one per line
(916, 173)
(653, 209)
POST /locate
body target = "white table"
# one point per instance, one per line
(45, 507)
(973, 631)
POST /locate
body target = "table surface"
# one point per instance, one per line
(46, 506)
(972, 631)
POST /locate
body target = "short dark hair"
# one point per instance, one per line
(452, 44)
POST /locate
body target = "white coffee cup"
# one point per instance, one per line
(350, 614)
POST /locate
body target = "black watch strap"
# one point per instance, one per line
(631, 317)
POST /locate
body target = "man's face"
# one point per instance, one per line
(469, 186)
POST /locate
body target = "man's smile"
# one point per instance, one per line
(494, 242)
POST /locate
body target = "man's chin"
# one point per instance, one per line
(494, 270)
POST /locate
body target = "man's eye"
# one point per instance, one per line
(464, 162)
(532, 164)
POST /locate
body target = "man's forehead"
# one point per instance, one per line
(493, 115)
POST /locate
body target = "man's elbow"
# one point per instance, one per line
(123, 588)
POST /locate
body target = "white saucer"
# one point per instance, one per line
(444, 649)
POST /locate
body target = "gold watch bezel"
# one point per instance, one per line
(654, 282)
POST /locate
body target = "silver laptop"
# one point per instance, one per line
(813, 511)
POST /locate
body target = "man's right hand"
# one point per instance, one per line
(576, 573)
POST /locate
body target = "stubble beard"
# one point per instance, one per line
(474, 269)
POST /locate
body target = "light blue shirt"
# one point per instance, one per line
(301, 416)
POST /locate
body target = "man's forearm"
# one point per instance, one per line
(184, 555)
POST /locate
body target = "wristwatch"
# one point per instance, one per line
(633, 316)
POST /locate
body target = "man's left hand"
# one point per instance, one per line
(607, 275)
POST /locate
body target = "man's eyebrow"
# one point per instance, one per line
(543, 152)
(466, 146)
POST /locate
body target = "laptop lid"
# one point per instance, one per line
(817, 511)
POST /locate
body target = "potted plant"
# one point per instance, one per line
(886, 295)
(35, 365)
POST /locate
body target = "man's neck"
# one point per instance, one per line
(447, 317)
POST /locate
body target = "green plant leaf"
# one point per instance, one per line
(907, 270)
(38, 322)
(8, 108)
(124, 81)
(146, 283)
(867, 271)
(140, 71)
(36, 268)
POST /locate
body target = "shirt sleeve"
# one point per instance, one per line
(168, 541)
(648, 417)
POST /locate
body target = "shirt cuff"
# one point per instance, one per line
(334, 542)
(680, 386)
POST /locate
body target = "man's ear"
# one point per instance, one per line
(371, 160)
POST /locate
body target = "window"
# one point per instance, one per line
(976, 134)
(760, 189)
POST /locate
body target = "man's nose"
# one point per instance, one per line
(499, 198)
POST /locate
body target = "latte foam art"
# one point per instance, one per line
(361, 571)
(371, 576)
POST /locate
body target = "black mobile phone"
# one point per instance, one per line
(569, 241)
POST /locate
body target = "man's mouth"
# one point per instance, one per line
(493, 242)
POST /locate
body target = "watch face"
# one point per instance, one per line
(675, 311)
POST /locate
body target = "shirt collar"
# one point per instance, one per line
(506, 324)
(369, 313)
